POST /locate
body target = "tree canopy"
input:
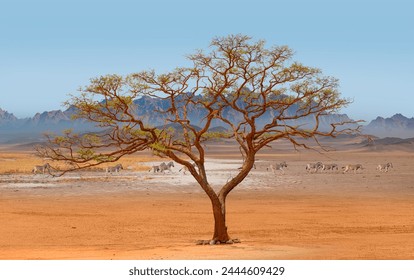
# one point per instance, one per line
(237, 83)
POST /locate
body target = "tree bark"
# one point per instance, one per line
(220, 227)
(219, 202)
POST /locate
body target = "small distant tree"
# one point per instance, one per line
(237, 83)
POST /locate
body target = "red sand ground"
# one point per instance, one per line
(369, 215)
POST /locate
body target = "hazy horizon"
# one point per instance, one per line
(63, 109)
(49, 49)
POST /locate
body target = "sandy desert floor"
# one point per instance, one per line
(141, 215)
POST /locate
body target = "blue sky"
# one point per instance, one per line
(48, 49)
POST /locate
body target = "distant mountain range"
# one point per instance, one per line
(13, 129)
(31, 129)
(395, 126)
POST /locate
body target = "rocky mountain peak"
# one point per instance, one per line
(6, 116)
(55, 116)
(399, 118)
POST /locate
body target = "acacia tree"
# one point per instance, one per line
(237, 84)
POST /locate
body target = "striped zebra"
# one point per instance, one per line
(166, 166)
(41, 168)
(314, 167)
(332, 166)
(116, 168)
(162, 167)
(279, 166)
(385, 167)
(354, 167)
(155, 168)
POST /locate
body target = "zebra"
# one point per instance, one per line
(115, 168)
(332, 166)
(155, 168)
(314, 166)
(279, 166)
(385, 167)
(353, 167)
(166, 166)
(41, 168)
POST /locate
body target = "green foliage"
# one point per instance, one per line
(59, 140)
(158, 147)
(101, 158)
(92, 139)
(86, 154)
(137, 133)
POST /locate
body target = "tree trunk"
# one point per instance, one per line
(220, 227)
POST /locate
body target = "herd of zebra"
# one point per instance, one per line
(319, 166)
(310, 167)
(46, 168)
(162, 167)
